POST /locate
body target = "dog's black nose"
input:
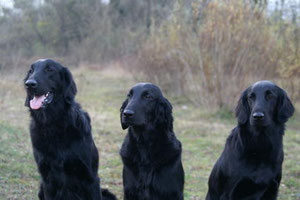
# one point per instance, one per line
(128, 113)
(258, 116)
(31, 83)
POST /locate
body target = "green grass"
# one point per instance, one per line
(101, 93)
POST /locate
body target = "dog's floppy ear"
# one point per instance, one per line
(242, 111)
(27, 97)
(163, 114)
(124, 126)
(69, 88)
(285, 108)
(26, 101)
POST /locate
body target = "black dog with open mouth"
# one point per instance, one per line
(151, 153)
(63, 147)
(250, 166)
(41, 82)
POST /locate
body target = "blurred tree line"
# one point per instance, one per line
(205, 50)
(83, 29)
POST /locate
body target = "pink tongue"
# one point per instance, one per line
(37, 102)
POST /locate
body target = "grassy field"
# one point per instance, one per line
(101, 93)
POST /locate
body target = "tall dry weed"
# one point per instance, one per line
(211, 53)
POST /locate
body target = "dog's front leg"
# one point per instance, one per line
(41, 192)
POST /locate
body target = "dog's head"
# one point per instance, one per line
(263, 104)
(48, 82)
(145, 105)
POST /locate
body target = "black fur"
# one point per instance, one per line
(63, 147)
(250, 166)
(151, 154)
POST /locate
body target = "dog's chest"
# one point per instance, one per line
(152, 182)
(48, 140)
(145, 180)
(145, 157)
(258, 172)
(50, 166)
(146, 173)
(49, 152)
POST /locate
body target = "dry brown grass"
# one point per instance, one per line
(209, 57)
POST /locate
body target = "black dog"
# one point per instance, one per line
(63, 147)
(151, 154)
(251, 163)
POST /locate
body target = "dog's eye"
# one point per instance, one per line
(251, 97)
(130, 93)
(31, 70)
(269, 95)
(48, 69)
(148, 96)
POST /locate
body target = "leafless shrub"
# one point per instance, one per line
(211, 58)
